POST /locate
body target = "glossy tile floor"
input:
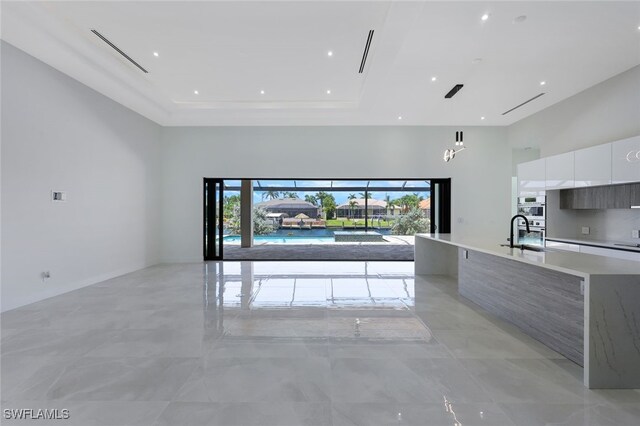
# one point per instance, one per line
(295, 343)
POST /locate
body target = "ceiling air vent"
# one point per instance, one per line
(524, 103)
(453, 91)
(114, 47)
(366, 51)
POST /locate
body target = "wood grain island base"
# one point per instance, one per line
(547, 305)
(584, 307)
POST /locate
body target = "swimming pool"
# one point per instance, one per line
(298, 236)
(280, 239)
(317, 232)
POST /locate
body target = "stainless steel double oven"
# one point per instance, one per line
(533, 208)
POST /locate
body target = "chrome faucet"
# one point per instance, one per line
(513, 219)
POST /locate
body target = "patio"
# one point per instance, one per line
(394, 248)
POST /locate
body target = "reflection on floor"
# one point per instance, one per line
(291, 343)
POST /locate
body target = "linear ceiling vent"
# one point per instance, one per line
(453, 91)
(524, 103)
(114, 47)
(366, 51)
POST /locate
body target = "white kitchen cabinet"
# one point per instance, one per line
(559, 171)
(531, 178)
(602, 251)
(625, 160)
(592, 166)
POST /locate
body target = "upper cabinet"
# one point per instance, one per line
(531, 178)
(559, 171)
(607, 164)
(625, 156)
(592, 166)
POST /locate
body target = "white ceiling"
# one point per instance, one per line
(230, 51)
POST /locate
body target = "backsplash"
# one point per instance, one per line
(609, 224)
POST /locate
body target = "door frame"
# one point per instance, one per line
(211, 196)
(441, 200)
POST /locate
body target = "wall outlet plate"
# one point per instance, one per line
(635, 233)
(586, 230)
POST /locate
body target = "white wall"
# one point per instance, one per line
(480, 175)
(603, 113)
(58, 134)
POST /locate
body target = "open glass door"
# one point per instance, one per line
(213, 219)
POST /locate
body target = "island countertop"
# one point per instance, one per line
(579, 264)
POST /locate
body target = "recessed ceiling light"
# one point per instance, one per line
(195, 92)
(485, 17)
(542, 83)
(399, 117)
(481, 118)
(262, 92)
(330, 53)
(520, 19)
(476, 61)
(328, 92)
(155, 54)
(434, 78)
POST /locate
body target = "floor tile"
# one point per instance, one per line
(46, 342)
(122, 379)
(573, 414)
(150, 343)
(490, 344)
(267, 379)
(377, 380)
(506, 381)
(374, 414)
(246, 414)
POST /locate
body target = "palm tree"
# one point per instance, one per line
(311, 199)
(290, 195)
(270, 195)
(320, 196)
(387, 200)
(352, 206)
(352, 202)
(366, 195)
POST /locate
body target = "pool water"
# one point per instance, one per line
(320, 232)
(297, 236)
(281, 239)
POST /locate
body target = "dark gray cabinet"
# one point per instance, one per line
(601, 197)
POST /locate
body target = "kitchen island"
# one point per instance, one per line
(583, 306)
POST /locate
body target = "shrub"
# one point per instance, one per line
(411, 223)
(261, 225)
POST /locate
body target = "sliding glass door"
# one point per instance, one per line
(313, 211)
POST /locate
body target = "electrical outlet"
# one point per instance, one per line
(635, 233)
(586, 230)
(45, 275)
